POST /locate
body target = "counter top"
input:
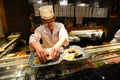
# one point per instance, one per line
(67, 67)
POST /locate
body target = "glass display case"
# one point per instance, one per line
(101, 57)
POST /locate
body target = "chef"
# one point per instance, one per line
(53, 35)
(116, 38)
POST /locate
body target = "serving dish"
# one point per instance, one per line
(32, 57)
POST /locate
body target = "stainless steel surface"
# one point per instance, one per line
(8, 49)
(6, 42)
(7, 45)
(74, 39)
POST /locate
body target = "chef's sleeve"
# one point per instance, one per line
(63, 35)
(116, 38)
(35, 37)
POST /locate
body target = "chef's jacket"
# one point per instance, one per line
(49, 39)
(116, 38)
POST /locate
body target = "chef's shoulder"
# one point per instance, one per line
(41, 27)
(59, 24)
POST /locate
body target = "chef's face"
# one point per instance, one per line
(49, 23)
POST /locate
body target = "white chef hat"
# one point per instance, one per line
(46, 12)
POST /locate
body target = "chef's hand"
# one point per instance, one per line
(55, 52)
(41, 54)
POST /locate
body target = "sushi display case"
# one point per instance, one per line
(102, 64)
(102, 58)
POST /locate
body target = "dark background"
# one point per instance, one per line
(18, 12)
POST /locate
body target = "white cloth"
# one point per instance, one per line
(50, 39)
(116, 38)
(46, 12)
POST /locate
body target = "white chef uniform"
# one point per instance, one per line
(116, 38)
(49, 39)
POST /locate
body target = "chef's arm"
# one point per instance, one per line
(34, 40)
(116, 38)
(35, 45)
(63, 37)
(61, 42)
